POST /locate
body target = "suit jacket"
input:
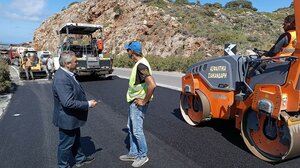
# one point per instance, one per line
(70, 103)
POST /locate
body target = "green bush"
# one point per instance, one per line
(157, 3)
(240, 4)
(5, 59)
(172, 63)
(123, 61)
(73, 3)
(5, 82)
(181, 2)
(224, 37)
(117, 9)
(213, 5)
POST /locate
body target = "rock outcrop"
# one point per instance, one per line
(123, 21)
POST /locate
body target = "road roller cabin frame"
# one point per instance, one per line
(265, 105)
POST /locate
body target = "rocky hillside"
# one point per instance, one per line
(166, 29)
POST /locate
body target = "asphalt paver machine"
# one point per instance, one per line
(81, 38)
(265, 106)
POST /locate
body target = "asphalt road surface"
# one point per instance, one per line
(28, 138)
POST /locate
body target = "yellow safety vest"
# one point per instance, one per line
(139, 90)
(290, 48)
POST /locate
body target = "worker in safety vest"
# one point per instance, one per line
(27, 62)
(100, 45)
(284, 46)
(139, 94)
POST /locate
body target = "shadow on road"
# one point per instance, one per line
(228, 131)
(225, 127)
(126, 141)
(13, 88)
(88, 148)
(177, 114)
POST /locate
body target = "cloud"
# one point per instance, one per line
(28, 10)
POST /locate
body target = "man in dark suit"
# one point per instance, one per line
(70, 111)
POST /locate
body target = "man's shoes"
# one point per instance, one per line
(140, 161)
(88, 160)
(127, 158)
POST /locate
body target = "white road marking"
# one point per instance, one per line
(158, 84)
(17, 115)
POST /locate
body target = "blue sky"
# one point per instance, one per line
(20, 18)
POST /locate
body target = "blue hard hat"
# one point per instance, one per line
(134, 46)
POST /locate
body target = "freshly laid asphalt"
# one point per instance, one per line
(28, 138)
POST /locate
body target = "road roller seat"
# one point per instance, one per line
(274, 73)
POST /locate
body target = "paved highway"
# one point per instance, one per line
(29, 140)
(170, 80)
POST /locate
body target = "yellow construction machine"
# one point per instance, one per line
(36, 68)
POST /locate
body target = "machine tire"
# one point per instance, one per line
(194, 108)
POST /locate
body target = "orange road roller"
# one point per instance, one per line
(262, 95)
(263, 101)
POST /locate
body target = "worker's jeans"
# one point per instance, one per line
(138, 145)
(69, 145)
(27, 72)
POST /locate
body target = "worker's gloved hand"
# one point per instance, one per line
(265, 54)
(261, 53)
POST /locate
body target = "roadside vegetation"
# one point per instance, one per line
(72, 3)
(5, 82)
(236, 22)
(175, 63)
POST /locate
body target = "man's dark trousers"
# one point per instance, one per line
(69, 143)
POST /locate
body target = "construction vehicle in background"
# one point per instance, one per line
(265, 103)
(18, 54)
(4, 53)
(36, 64)
(12, 52)
(80, 38)
(43, 55)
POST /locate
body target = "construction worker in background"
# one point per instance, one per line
(44, 63)
(139, 94)
(94, 46)
(28, 64)
(100, 47)
(284, 46)
(50, 67)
